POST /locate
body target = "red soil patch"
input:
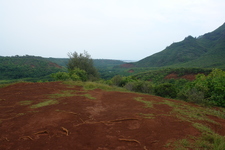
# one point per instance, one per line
(54, 65)
(114, 120)
(190, 77)
(131, 71)
(127, 65)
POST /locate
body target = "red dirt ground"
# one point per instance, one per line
(112, 121)
(190, 77)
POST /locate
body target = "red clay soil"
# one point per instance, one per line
(127, 65)
(111, 121)
(190, 77)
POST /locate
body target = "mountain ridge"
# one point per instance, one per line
(191, 52)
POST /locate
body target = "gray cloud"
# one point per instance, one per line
(113, 29)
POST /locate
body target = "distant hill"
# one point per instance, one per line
(206, 51)
(17, 67)
(98, 63)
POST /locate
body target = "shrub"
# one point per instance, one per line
(166, 90)
(75, 75)
(140, 86)
(206, 89)
(118, 81)
(78, 74)
(60, 76)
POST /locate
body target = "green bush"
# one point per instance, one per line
(78, 74)
(140, 86)
(117, 80)
(75, 75)
(121, 81)
(211, 87)
(166, 90)
(60, 76)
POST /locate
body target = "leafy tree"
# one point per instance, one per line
(211, 87)
(84, 62)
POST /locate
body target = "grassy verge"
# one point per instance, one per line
(94, 85)
(44, 103)
(209, 140)
(148, 104)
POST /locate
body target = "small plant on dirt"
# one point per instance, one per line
(67, 93)
(87, 96)
(44, 103)
(94, 85)
(148, 104)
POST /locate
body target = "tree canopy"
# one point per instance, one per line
(84, 62)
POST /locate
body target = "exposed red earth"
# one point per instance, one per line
(190, 77)
(89, 119)
(127, 65)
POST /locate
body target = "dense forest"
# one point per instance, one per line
(32, 67)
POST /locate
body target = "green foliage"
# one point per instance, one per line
(118, 80)
(158, 76)
(208, 89)
(60, 76)
(44, 103)
(76, 75)
(140, 86)
(148, 104)
(83, 62)
(166, 90)
(94, 85)
(20, 67)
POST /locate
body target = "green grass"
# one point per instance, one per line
(87, 96)
(94, 85)
(44, 103)
(209, 140)
(53, 98)
(202, 128)
(148, 104)
(189, 113)
(67, 93)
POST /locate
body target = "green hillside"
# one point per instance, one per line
(98, 63)
(37, 68)
(18, 67)
(207, 51)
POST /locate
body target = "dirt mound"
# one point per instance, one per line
(61, 117)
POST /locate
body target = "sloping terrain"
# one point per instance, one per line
(18, 67)
(98, 63)
(58, 116)
(206, 51)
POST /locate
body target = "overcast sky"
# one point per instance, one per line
(108, 29)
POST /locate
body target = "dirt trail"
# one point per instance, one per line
(85, 120)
